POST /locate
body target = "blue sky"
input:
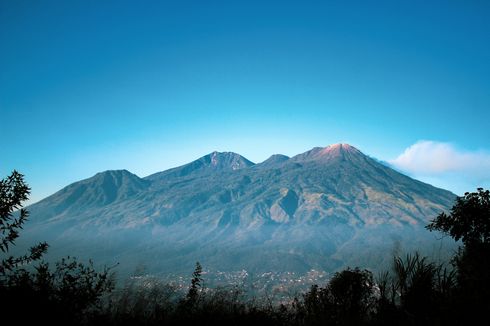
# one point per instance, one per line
(87, 86)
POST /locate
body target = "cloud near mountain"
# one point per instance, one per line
(430, 157)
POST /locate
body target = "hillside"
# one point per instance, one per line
(323, 209)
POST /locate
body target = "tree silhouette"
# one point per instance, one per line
(61, 295)
(346, 300)
(469, 221)
(353, 295)
(13, 191)
(193, 293)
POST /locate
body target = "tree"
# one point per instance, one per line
(346, 300)
(193, 294)
(415, 281)
(353, 295)
(13, 191)
(469, 220)
(62, 295)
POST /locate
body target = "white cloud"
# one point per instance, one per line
(443, 165)
(434, 158)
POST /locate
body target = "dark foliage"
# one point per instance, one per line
(63, 295)
(416, 292)
(469, 221)
(347, 300)
(13, 191)
(192, 297)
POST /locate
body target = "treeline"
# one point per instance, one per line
(415, 292)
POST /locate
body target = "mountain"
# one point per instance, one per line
(324, 209)
(211, 163)
(274, 159)
(98, 191)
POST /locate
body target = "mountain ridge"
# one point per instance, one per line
(323, 202)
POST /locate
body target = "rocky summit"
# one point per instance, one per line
(324, 209)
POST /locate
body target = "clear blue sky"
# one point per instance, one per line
(87, 86)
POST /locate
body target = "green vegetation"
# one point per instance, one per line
(415, 292)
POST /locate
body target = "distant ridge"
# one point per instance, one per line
(274, 159)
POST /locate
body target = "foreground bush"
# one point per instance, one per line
(66, 294)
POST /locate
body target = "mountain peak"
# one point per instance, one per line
(329, 152)
(122, 172)
(212, 162)
(225, 160)
(101, 189)
(275, 159)
(337, 149)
